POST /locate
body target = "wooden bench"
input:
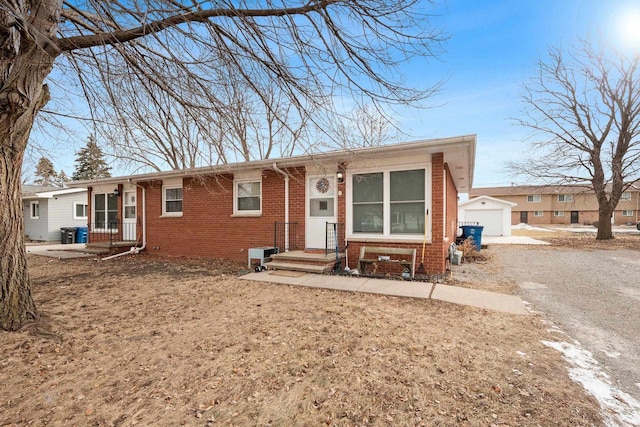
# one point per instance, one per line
(387, 255)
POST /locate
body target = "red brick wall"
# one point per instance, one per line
(452, 210)
(207, 227)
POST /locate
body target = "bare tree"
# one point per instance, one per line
(585, 111)
(310, 50)
(367, 126)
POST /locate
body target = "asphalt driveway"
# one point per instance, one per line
(592, 295)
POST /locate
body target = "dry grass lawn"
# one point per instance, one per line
(157, 342)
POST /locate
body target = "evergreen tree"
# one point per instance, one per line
(45, 173)
(62, 178)
(90, 163)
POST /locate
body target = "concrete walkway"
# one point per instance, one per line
(58, 250)
(453, 294)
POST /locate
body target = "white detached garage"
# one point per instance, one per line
(493, 214)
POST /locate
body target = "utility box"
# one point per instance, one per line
(263, 254)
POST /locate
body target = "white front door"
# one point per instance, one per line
(322, 207)
(129, 220)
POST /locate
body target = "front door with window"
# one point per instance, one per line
(321, 208)
(129, 216)
(524, 219)
(575, 218)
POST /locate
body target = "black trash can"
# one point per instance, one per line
(67, 235)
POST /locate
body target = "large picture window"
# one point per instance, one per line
(105, 211)
(368, 203)
(407, 201)
(389, 203)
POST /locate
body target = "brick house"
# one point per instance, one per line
(560, 204)
(338, 200)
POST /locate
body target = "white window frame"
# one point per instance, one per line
(558, 213)
(106, 212)
(534, 198)
(386, 204)
(627, 212)
(567, 198)
(625, 196)
(171, 186)
(32, 207)
(236, 183)
(538, 213)
(75, 210)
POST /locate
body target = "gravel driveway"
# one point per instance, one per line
(592, 295)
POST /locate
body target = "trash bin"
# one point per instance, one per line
(81, 234)
(475, 232)
(67, 235)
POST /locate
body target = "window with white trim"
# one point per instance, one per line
(80, 210)
(565, 197)
(34, 208)
(538, 213)
(627, 213)
(105, 211)
(389, 202)
(172, 200)
(534, 198)
(248, 197)
(558, 213)
(625, 196)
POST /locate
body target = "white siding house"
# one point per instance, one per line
(493, 214)
(47, 209)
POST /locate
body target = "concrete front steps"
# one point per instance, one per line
(306, 261)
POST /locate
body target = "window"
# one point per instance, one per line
(533, 199)
(558, 213)
(389, 203)
(625, 196)
(105, 211)
(80, 210)
(538, 213)
(407, 201)
(172, 200)
(368, 203)
(565, 197)
(627, 213)
(35, 210)
(248, 197)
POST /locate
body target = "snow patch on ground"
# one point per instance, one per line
(619, 409)
(523, 226)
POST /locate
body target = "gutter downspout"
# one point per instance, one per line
(286, 205)
(134, 250)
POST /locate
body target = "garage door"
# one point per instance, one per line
(491, 219)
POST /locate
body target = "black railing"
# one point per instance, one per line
(285, 235)
(111, 232)
(335, 241)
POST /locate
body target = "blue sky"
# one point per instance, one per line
(493, 49)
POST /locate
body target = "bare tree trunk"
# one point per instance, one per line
(16, 303)
(22, 95)
(604, 224)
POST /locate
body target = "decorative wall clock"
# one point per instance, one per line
(322, 185)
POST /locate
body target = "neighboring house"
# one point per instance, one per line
(381, 196)
(561, 204)
(47, 209)
(491, 213)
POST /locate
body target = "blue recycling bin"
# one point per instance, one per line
(81, 234)
(475, 232)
